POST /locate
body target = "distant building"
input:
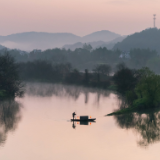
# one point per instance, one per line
(22, 52)
(125, 55)
(37, 51)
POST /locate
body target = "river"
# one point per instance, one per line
(38, 127)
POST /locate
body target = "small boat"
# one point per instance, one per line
(89, 120)
(84, 118)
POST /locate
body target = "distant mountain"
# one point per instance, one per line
(96, 44)
(119, 39)
(103, 35)
(110, 44)
(149, 38)
(37, 40)
(42, 40)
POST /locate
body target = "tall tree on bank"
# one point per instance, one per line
(10, 85)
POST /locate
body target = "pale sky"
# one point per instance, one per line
(79, 17)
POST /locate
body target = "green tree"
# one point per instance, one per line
(148, 89)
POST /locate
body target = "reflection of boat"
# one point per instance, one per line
(84, 119)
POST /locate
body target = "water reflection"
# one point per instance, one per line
(145, 122)
(74, 92)
(86, 123)
(74, 125)
(10, 116)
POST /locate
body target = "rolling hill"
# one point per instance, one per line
(103, 35)
(42, 40)
(96, 44)
(149, 38)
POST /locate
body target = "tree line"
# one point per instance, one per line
(53, 66)
(84, 58)
(44, 71)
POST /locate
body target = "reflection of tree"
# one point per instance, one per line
(48, 90)
(9, 118)
(146, 123)
(149, 128)
(86, 97)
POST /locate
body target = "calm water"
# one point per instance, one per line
(37, 127)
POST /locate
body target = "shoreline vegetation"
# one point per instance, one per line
(10, 84)
(42, 71)
(139, 87)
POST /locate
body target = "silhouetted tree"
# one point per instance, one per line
(102, 69)
(86, 80)
(74, 77)
(10, 84)
(120, 66)
(125, 79)
(87, 47)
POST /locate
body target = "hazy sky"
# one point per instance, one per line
(80, 17)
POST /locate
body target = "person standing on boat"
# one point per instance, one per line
(73, 114)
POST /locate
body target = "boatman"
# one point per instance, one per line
(73, 114)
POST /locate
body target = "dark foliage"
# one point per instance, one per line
(82, 58)
(10, 85)
(103, 69)
(63, 73)
(74, 77)
(126, 79)
(43, 71)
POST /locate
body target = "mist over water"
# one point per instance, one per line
(64, 91)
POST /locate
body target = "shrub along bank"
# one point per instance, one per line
(141, 89)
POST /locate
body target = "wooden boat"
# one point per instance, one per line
(84, 120)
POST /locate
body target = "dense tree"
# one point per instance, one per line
(87, 47)
(82, 58)
(125, 79)
(148, 89)
(44, 71)
(10, 85)
(103, 69)
(74, 77)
